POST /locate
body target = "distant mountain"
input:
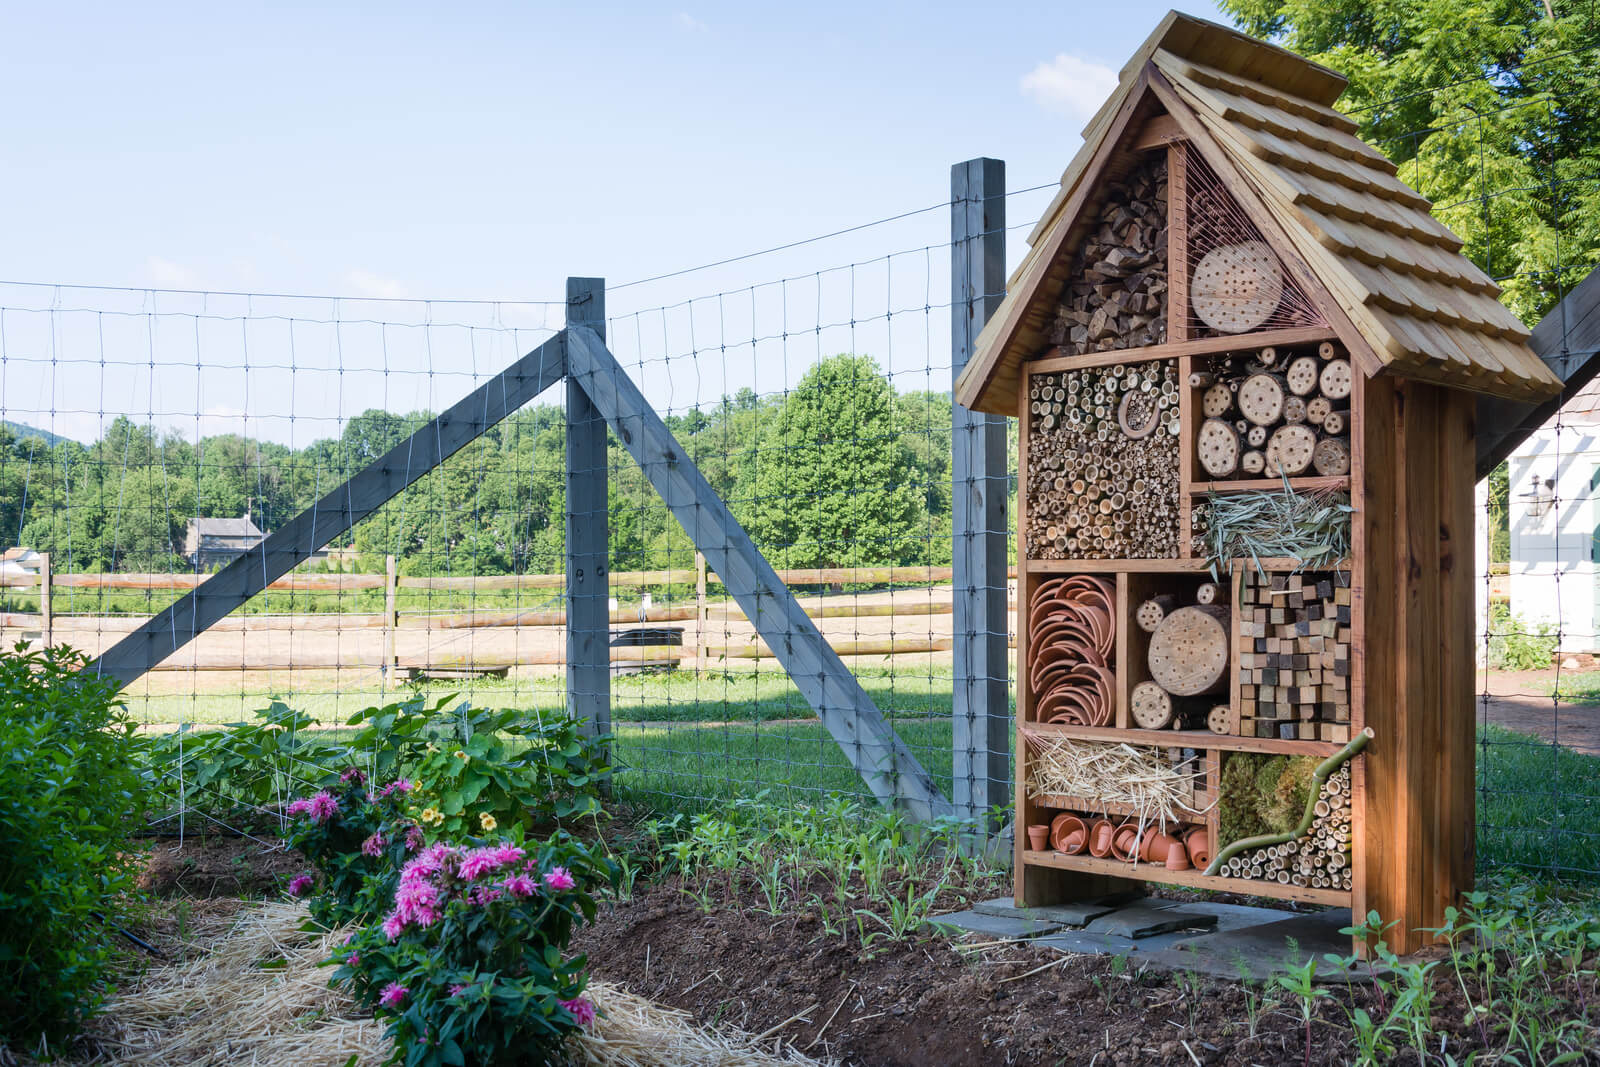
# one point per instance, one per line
(23, 430)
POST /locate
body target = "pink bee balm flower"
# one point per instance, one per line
(323, 806)
(393, 995)
(298, 807)
(300, 884)
(400, 785)
(560, 878)
(455, 990)
(520, 885)
(581, 1009)
(353, 774)
(413, 838)
(482, 861)
(373, 846)
(393, 927)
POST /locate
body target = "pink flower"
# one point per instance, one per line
(455, 990)
(413, 838)
(354, 960)
(353, 774)
(393, 995)
(520, 885)
(560, 878)
(482, 861)
(300, 884)
(581, 1009)
(298, 807)
(323, 806)
(401, 785)
(373, 846)
(393, 927)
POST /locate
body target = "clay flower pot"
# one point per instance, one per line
(1038, 836)
(1100, 834)
(1178, 857)
(1125, 842)
(1153, 846)
(1068, 834)
(1197, 841)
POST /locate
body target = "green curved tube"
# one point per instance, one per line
(1324, 770)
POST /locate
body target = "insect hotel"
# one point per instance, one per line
(1245, 358)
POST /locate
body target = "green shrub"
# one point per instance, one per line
(70, 795)
(357, 839)
(1513, 646)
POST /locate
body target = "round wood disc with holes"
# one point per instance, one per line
(1207, 593)
(1151, 706)
(1317, 409)
(1336, 380)
(1261, 399)
(1256, 436)
(1253, 462)
(1217, 719)
(1331, 457)
(1301, 376)
(1138, 414)
(1150, 613)
(1289, 450)
(1294, 409)
(1236, 287)
(1217, 448)
(1189, 650)
(1216, 401)
(1334, 424)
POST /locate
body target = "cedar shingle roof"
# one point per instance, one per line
(1395, 271)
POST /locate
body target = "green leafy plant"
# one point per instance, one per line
(249, 764)
(470, 964)
(70, 797)
(1301, 983)
(357, 838)
(1515, 646)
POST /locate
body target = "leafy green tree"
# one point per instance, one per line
(1491, 109)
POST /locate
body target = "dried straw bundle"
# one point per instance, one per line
(225, 1007)
(1313, 527)
(1103, 773)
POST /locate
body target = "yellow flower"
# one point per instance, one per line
(460, 755)
(431, 815)
(488, 822)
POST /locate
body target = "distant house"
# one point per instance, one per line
(214, 542)
(20, 562)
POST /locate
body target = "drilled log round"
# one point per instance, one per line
(1217, 719)
(1189, 651)
(1317, 410)
(1253, 462)
(1294, 409)
(1326, 350)
(1256, 436)
(1336, 381)
(1268, 356)
(1331, 457)
(1207, 593)
(1290, 450)
(1152, 611)
(1236, 287)
(1150, 706)
(1261, 398)
(1138, 414)
(1217, 448)
(1301, 376)
(1217, 401)
(1334, 424)
(1201, 379)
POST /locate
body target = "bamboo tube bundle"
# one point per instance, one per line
(1072, 650)
(1320, 859)
(1279, 413)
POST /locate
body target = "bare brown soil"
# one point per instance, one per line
(215, 865)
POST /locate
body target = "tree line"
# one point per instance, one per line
(842, 470)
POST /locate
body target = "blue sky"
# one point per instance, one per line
(487, 151)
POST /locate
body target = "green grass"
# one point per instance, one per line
(1538, 805)
(1574, 687)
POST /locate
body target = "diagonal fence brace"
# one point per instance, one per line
(868, 740)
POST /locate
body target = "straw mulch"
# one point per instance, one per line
(1138, 777)
(258, 996)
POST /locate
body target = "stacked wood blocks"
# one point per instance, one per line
(1103, 463)
(1320, 859)
(1274, 413)
(1117, 295)
(1294, 656)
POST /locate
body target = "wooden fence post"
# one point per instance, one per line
(982, 717)
(391, 617)
(588, 547)
(46, 622)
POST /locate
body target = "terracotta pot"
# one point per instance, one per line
(1125, 842)
(1153, 847)
(1178, 857)
(1068, 834)
(1100, 834)
(1198, 842)
(1038, 836)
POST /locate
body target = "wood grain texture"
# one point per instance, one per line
(854, 721)
(360, 496)
(588, 545)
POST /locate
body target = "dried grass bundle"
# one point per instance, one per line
(259, 996)
(1313, 527)
(1105, 773)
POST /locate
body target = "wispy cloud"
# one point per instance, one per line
(167, 273)
(1069, 86)
(365, 283)
(688, 22)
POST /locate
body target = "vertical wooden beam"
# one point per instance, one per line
(46, 622)
(980, 738)
(1178, 329)
(588, 543)
(391, 616)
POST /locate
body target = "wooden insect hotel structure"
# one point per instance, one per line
(1245, 358)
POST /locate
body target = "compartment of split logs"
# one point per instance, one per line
(1178, 652)
(1102, 463)
(1269, 413)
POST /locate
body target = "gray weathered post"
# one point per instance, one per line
(588, 546)
(981, 734)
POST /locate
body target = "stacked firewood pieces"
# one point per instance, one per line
(1116, 292)
(1318, 860)
(1073, 633)
(1274, 413)
(1294, 656)
(1187, 661)
(1103, 463)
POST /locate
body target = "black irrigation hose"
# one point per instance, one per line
(147, 946)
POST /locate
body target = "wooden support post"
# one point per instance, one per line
(982, 717)
(46, 623)
(867, 739)
(588, 544)
(360, 496)
(391, 617)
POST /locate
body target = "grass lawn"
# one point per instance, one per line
(1575, 687)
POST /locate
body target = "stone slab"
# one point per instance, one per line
(1085, 943)
(1151, 917)
(1075, 914)
(995, 926)
(1263, 949)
